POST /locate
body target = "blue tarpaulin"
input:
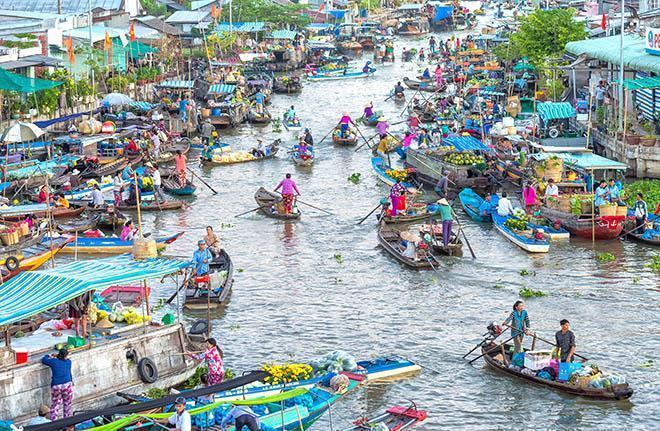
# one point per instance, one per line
(33, 292)
(221, 89)
(555, 111)
(443, 12)
(465, 143)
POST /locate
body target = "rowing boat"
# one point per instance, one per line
(291, 125)
(18, 212)
(229, 158)
(471, 201)
(169, 150)
(397, 418)
(220, 280)
(270, 205)
(455, 245)
(108, 245)
(615, 392)
(153, 206)
(390, 240)
(339, 76)
(420, 212)
(302, 159)
(107, 169)
(380, 168)
(80, 225)
(350, 139)
(172, 185)
(522, 239)
(421, 86)
(584, 226)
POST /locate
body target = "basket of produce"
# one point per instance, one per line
(606, 210)
(398, 174)
(144, 248)
(621, 211)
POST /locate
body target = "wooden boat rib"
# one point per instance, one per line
(221, 280)
(523, 241)
(390, 240)
(153, 206)
(267, 200)
(620, 392)
(109, 245)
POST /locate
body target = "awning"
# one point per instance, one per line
(443, 12)
(584, 161)
(642, 83)
(142, 106)
(33, 292)
(138, 50)
(319, 26)
(221, 89)
(283, 34)
(607, 49)
(555, 111)
(241, 27)
(465, 143)
(15, 82)
(176, 83)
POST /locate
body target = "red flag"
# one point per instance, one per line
(131, 32)
(215, 11)
(321, 7)
(107, 43)
(603, 23)
(68, 43)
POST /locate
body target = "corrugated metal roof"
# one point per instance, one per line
(586, 161)
(245, 27)
(98, 33)
(221, 89)
(607, 49)
(283, 34)
(177, 83)
(198, 4)
(642, 83)
(186, 17)
(68, 6)
(555, 111)
(465, 143)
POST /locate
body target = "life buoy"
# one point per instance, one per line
(553, 133)
(11, 263)
(147, 370)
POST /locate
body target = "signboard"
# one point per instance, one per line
(653, 41)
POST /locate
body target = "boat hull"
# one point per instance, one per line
(527, 244)
(604, 228)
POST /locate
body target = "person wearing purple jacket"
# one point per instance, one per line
(288, 187)
(61, 383)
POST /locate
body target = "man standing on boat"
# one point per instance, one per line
(260, 100)
(565, 341)
(518, 321)
(117, 188)
(201, 259)
(442, 187)
(158, 182)
(447, 220)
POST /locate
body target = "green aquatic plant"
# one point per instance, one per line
(526, 292)
(654, 265)
(155, 393)
(605, 257)
(355, 177)
(524, 272)
(339, 259)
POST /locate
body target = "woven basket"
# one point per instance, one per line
(25, 228)
(622, 211)
(607, 210)
(144, 248)
(647, 141)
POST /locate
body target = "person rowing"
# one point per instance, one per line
(288, 187)
(290, 114)
(309, 139)
(367, 68)
(398, 89)
(368, 111)
(344, 124)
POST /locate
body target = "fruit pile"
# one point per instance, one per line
(286, 373)
(464, 158)
(398, 174)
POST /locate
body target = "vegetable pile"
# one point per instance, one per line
(650, 189)
(286, 373)
(518, 221)
(464, 158)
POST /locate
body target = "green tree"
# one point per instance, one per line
(153, 7)
(545, 33)
(266, 11)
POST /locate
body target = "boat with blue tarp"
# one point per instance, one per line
(108, 245)
(524, 239)
(471, 201)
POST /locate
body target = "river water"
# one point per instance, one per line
(303, 289)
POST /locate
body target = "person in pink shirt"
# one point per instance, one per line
(529, 196)
(288, 187)
(344, 124)
(180, 162)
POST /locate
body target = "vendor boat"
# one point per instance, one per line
(106, 169)
(395, 418)
(414, 212)
(78, 225)
(380, 168)
(299, 159)
(470, 201)
(390, 240)
(152, 206)
(291, 125)
(169, 150)
(219, 281)
(231, 158)
(259, 118)
(349, 139)
(522, 239)
(287, 84)
(498, 358)
(334, 76)
(270, 205)
(172, 185)
(422, 85)
(455, 245)
(18, 212)
(227, 115)
(108, 245)
(586, 226)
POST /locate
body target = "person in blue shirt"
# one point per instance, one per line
(426, 74)
(367, 68)
(260, 99)
(602, 194)
(183, 108)
(61, 383)
(242, 417)
(615, 193)
(201, 259)
(486, 209)
(518, 321)
(127, 173)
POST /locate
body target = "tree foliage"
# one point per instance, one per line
(545, 33)
(153, 7)
(266, 11)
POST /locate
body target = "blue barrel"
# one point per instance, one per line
(216, 112)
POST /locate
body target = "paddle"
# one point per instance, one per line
(492, 350)
(460, 228)
(176, 292)
(252, 210)
(203, 182)
(360, 132)
(366, 143)
(409, 102)
(312, 206)
(331, 130)
(370, 212)
(623, 235)
(390, 96)
(482, 343)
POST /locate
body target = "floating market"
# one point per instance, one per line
(273, 215)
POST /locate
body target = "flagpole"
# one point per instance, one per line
(91, 53)
(621, 72)
(230, 18)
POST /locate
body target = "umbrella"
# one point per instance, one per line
(21, 132)
(116, 99)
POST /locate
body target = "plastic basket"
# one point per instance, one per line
(566, 369)
(607, 210)
(622, 211)
(536, 360)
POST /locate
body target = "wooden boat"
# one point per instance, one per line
(615, 392)
(523, 240)
(110, 220)
(287, 85)
(81, 225)
(421, 213)
(470, 201)
(395, 418)
(291, 126)
(270, 152)
(583, 226)
(380, 168)
(31, 258)
(390, 240)
(257, 118)
(455, 245)
(171, 185)
(302, 160)
(552, 232)
(653, 219)
(221, 276)
(169, 149)
(153, 206)
(18, 212)
(422, 86)
(349, 140)
(127, 295)
(106, 169)
(108, 245)
(270, 201)
(335, 76)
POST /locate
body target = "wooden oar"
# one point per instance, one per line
(492, 350)
(409, 102)
(203, 182)
(366, 143)
(623, 235)
(247, 212)
(176, 292)
(360, 132)
(474, 256)
(390, 96)
(482, 343)
(331, 130)
(370, 212)
(310, 205)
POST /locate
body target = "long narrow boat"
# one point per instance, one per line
(270, 152)
(153, 206)
(470, 201)
(421, 85)
(612, 393)
(584, 226)
(221, 280)
(338, 76)
(107, 169)
(78, 225)
(109, 245)
(168, 150)
(31, 258)
(397, 418)
(390, 240)
(171, 185)
(346, 141)
(521, 239)
(421, 213)
(269, 201)
(18, 212)
(380, 168)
